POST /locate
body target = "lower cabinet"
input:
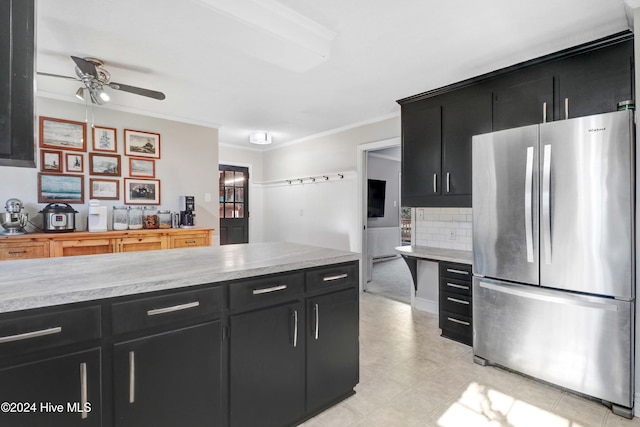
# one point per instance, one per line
(169, 379)
(456, 302)
(332, 347)
(61, 391)
(267, 367)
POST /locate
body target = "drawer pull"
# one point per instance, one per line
(295, 328)
(268, 290)
(29, 335)
(462, 322)
(454, 285)
(172, 309)
(316, 332)
(17, 252)
(456, 300)
(83, 390)
(336, 277)
(132, 377)
(451, 270)
(190, 242)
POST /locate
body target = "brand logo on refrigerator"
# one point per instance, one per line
(597, 129)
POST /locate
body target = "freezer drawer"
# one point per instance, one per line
(579, 342)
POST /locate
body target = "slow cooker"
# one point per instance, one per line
(58, 217)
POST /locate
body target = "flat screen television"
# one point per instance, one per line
(375, 198)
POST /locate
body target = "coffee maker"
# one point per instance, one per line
(187, 211)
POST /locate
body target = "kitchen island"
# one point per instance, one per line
(255, 334)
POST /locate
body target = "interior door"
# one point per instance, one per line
(234, 204)
(505, 204)
(587, 204)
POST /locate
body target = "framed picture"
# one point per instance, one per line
(104, 139)
(104, 189)
(63, 134)
(104, 164)
(60, 188)
(141, 144)
(50, 161)
(142, 167)
(74, 162)
(142, 191)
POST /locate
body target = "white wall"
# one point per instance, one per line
(188, 163)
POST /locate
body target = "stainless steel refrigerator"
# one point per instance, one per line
(553, 246)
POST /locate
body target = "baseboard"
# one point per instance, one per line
(425, 305)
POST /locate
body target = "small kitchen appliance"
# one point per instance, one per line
(97, 218)
(187, 211)
(58, 218)
(13, 220)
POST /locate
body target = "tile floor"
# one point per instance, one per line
(410, 376)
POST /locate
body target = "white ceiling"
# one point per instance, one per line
(300, 67)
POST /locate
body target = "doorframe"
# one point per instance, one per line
(361, 168)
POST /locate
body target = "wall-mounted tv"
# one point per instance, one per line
(375, 198)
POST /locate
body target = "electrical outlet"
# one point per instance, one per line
(452, 234)
(419, 214)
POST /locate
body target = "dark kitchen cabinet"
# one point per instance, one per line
(267, 366)
(332, 347)
(523, 103)
(169, 379)
(455, 302)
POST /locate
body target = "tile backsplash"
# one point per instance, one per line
(443, 228)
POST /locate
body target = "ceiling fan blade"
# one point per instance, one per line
(85, 66)
(138, 91)
(58, 75)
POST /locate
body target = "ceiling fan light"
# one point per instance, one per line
(80, 94)
(260, 137)
(104, 96)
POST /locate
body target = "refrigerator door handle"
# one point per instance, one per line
(546, 203)
(528, 202)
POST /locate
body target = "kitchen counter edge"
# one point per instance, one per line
(436, 254)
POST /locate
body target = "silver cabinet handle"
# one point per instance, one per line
(435, 183)
(566, 108)
(271, 289)
(317, 327)
(544, 112)
(451, 270)
(462, 322)
(528, 204)
(83, 390)
(132, 377)
(448, 179)
(28, 335)
(454, 285)
(295, 328)
(546, 203)
(459, 301)
(164, 310)
(336, 277)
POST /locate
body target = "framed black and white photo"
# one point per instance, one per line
(74, 162)
(104, 164)
(142, 167)
(50, 161)
(141, 144)
(61, 188)
(104, 139)
(63, 134)
(104, 189)
(142, 191)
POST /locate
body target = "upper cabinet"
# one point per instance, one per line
(437, 126)
(17, 21)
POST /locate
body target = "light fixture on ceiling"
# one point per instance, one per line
(103, 95)
(260, 137)
(80, 94)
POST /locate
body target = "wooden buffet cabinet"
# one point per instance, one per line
(44, 245)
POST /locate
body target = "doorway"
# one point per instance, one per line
(234, 204)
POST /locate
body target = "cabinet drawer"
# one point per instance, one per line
(462, 287)
(455, 303)
(164, 310)
(332, 276)
(456, 327)
(20, 335)
(266, 290)
(189, 241)
(454, 270)
(23, 250)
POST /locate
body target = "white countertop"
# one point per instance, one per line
(437, 254)
(45, 282)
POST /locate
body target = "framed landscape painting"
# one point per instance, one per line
(104, 189)
(60, 188)
(74, 162)
(50, 161)
(141, 144)
(142, 191)
(142, 167)
(63, 134)
(104, 164)
(104, 139)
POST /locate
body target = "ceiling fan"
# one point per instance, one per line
(95, 77)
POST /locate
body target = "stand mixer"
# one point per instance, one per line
(13, 220)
